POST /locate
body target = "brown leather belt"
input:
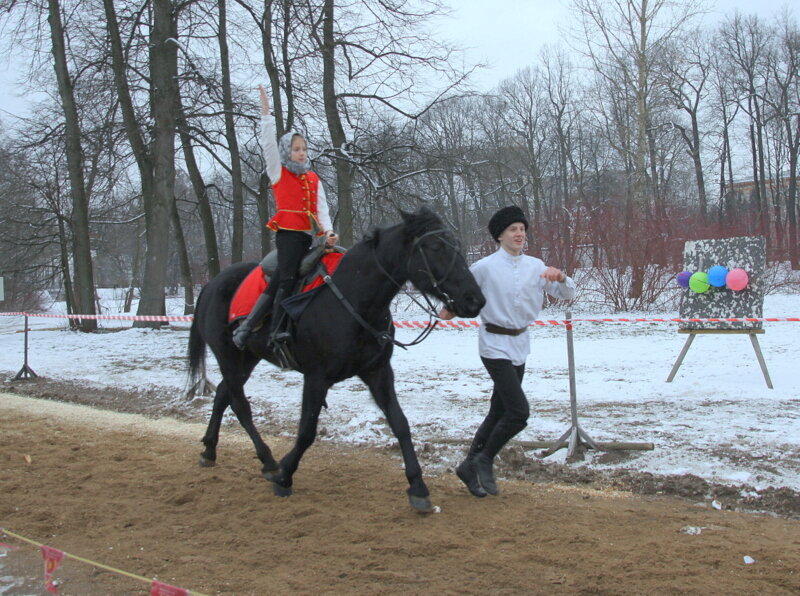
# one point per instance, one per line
(492, 328)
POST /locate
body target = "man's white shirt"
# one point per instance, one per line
(514, 292)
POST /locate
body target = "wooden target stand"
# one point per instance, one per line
(752, 333)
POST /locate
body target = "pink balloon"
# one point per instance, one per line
(737, 279)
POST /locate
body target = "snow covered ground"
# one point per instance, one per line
(717, 419)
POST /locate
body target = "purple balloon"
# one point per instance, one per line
(683, 278)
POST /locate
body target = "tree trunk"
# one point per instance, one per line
(201, 192)
(81, 246)
(135, 269)
(163, 91)
(237, 239)
(698, 167)
(65, 272)
(183, 259)
(791, 197)
(276, 99)
(344, 176)
(156, 207)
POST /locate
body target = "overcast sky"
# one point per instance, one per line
(509, 34)
(506, 34)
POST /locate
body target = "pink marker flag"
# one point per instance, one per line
(159, 589)
(52, 559)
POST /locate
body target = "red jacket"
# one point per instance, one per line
(296, 199)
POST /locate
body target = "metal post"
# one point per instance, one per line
(575, 437)
(26, 372)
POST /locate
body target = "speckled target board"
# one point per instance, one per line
(746, 252)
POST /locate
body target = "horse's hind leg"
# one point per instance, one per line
(381, 383)
(241, 407)
(230, 392)
(221, 402)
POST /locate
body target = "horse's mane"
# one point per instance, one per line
(415, 224)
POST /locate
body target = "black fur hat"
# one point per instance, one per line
(504, 218)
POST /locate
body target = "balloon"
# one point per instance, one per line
(698, 282)
(717, 276)
(737, 279)
(683, 278)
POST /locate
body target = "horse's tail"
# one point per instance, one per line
(197, 346)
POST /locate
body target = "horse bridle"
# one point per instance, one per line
(384, 337)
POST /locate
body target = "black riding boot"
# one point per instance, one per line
(277, 330)
(483, 462)
(469, 476)
(467, 471)
(260, 309)
(278, 336)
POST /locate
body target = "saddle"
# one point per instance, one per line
(310, 278)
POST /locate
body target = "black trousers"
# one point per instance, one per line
(292, 247)
(508, 409)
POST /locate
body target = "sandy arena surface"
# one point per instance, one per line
(125, 490)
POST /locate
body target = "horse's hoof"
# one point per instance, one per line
(421, 504)
(270, 471)
(281, 491)
(207, 463)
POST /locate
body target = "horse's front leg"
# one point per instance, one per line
(315, 389)
(381, 383)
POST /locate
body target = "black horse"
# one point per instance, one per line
(346, 330)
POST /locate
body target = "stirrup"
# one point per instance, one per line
(280, 337)
(283, 360)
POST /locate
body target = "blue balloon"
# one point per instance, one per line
(717, 275)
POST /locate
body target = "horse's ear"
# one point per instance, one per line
(372, 237)
(408, 223)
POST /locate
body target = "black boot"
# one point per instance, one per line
(277, 333)
(260, 309)
(469, 476)
(483, 462)
(484, 469)
(467, 471)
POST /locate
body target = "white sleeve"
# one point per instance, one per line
(269, 145)
(562, 290)
(323, 216)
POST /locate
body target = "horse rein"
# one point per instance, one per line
(434, 282)
(384, 337)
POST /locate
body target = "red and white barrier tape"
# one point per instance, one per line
(150, 318)
(452, 324)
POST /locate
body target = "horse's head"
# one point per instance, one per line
(436, 265)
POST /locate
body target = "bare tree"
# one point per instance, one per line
(81, 247)
(376, 55)
(155, 156)
(684, 72)
(230, 135)
(623, 39)
(745, 42)
(783, 99)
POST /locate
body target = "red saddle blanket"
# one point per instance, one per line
(255, 284)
